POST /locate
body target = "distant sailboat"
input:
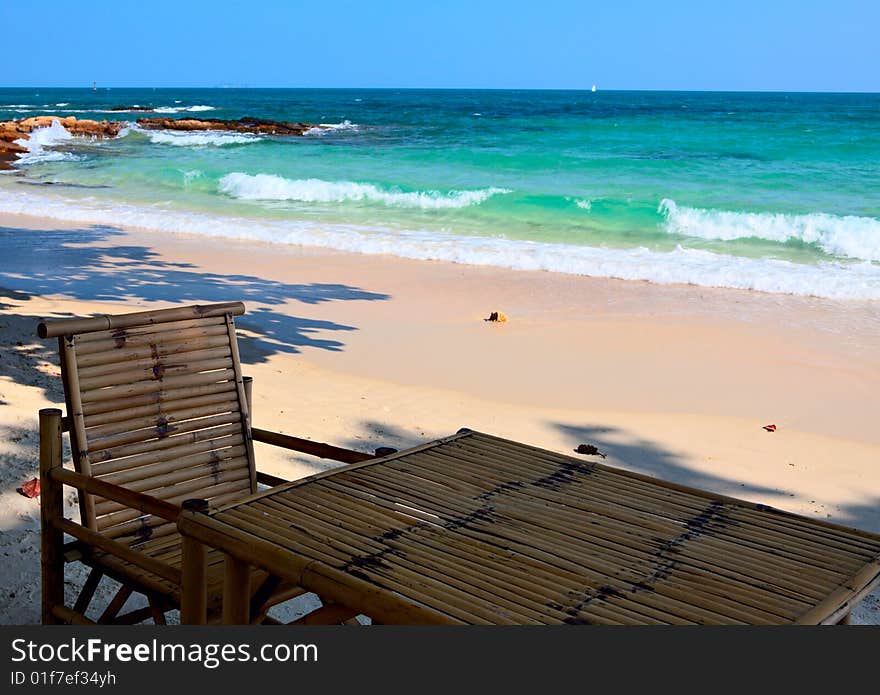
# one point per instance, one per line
(95, 86)
(593, 89)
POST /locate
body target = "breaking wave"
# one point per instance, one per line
(41, 142)
(831, 279)
(331, 127)
(850, 236)
(271, 187)
(204, 138)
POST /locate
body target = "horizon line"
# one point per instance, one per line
(461, 89)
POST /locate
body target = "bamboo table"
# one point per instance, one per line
(477, 529)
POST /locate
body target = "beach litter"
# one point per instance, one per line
(589, 450)
(31, 488)
(770, 428)
(497, 316)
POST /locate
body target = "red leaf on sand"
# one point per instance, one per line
(770, 428)
(31, 488)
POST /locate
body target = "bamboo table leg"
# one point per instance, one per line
(194, 574)
(236, 592)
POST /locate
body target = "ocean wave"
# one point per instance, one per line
(850, 236)
(181, 109)
(584, 204)
(42, 138)
(271, 187)
(836, 280)
(331, 127)
(203, 138)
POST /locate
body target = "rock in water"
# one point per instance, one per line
(254, 126)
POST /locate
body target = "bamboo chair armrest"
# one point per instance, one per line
(269, 479)
(94, 539)
(130, 498)
(325, 451)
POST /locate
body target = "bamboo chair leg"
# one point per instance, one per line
(236, 592)
(115, 605)
(259, 601)
(194, 574)
(88, 591)
(156, 611)
(51, 509)
(846, 619)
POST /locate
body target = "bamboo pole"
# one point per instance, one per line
(63, 614)
(119, 550)
(236, 591)
(51, 509)
(77, 436)
(88, 591)
(242, 401)
(307, 446)
(248, 382)
(194, 576)
(323, 580)
(128, 498)
(56, 327)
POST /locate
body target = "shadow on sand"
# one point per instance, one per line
(51, 261)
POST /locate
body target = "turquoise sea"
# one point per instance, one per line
(766, 191)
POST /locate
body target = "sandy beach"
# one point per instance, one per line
(673, 381)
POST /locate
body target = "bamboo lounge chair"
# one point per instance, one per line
(157, 412)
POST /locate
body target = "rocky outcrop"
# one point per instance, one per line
(256, 126)
(10, 131)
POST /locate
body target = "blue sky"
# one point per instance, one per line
(808, 45)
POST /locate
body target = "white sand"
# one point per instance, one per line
(367, 351)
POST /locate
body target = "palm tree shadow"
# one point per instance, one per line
(75, 263)
(626, 450)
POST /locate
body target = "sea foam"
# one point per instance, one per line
(837, 280)
(180, 109)
(331, 127)
(204, 138)
(850, 236)
(42, 138)
(271, 187)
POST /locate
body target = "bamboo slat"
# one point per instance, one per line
(154, 372)
(150, 387)
(501, 533)
(118, 418)
(119, 341)
(173, 342)
(53, 328)
(187, 433)
(162, 430)
(163, 395)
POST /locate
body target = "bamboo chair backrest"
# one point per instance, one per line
(156, 404)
